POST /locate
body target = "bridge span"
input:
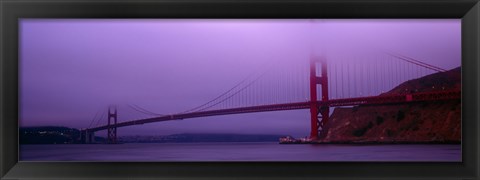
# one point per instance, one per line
(247, 96)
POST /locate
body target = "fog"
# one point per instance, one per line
(71, 69)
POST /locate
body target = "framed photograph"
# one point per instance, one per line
(250, 89)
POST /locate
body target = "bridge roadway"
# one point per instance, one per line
(369, 100)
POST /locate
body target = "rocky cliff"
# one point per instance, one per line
(422, 122)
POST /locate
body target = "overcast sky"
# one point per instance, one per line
(70, 69)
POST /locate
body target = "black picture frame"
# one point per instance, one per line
(12, 10)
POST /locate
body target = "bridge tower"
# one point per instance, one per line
(112, 120)
(318, 114)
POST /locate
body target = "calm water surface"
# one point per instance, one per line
(264, 151)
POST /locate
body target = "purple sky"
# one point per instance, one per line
(70, 69)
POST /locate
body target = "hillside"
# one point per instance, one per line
(48, 135)
(423, 122)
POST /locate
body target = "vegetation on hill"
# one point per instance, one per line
(420, 122)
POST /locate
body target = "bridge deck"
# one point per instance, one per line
(369, 100)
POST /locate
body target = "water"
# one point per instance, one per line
(264, 151)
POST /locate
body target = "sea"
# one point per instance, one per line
(243, 151)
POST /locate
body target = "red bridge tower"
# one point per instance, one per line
(112, 131)
(318, 114)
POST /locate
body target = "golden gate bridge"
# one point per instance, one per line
(294, 87)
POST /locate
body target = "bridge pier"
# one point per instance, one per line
(90, 137)
(87, 137)
(318, 115)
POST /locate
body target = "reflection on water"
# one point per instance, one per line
(264, 151)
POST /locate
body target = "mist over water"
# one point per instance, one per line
(263, 151)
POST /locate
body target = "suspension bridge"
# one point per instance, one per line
(317, 85)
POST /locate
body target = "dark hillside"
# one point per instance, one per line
(423, 122)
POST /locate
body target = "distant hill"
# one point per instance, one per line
(64, 135)
(422, 122)
(48, 135)
(200, 137)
